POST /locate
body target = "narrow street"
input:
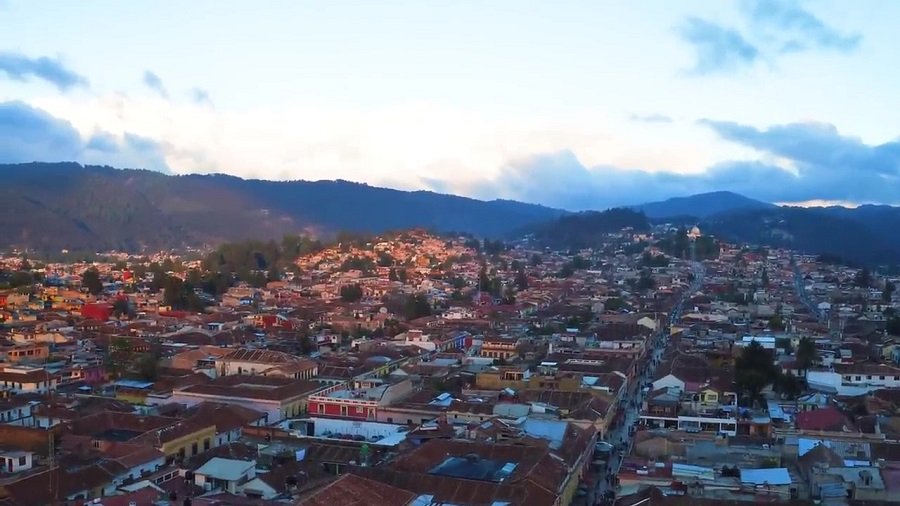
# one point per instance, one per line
(621, 436)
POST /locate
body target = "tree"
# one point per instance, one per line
(788, 385)
(121, 307)
(806, 354)
(754, 370)
(566, 271)
(90, 280)
(888, 291)
(765, 278)
(776, 323)
(536, 260)
(579, 263)
(351, 293)
(893, 326)
(521, 280)
(863, 278)
(417, 306)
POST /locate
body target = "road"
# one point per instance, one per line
(620, 436)
(800, 288)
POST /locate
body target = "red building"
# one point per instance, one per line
(97, 311)
(360, 403)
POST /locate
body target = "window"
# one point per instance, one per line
(896, 378)
(882, 378)
(22, 460)
(859, 378)
(321, 408)
(343, 410)
(206, 444)
(194, 449)
(869, 377)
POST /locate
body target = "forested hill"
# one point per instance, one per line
(586, 229)
(51, 206)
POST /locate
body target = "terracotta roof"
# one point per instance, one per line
(226, 417)
(248, 387)
(353, 490)
(828, 418)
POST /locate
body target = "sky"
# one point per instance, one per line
(571, 104)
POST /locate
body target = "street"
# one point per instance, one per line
(621, 436)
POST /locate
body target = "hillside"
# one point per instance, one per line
(65, 205)
(701, 205)
(846, 234)
(587, 229)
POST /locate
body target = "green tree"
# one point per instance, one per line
(765, 278)
(351, 293)
(417, 306)
(776, 323)
(521, 280)
(806, 354)
(90, 280)
(754, 370)
(863, 278)
(536, 260)
(122, 307)
(566, 271)
(893, 326)
(888, 291)
(788, 385)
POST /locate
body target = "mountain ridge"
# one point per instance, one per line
(52, 206)
(700, 205)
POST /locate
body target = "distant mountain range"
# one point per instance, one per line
(701, 205)
(862, 235)
(51, 206)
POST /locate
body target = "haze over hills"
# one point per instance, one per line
(50, 206)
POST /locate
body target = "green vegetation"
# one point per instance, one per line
(754, 370)
(588, 229)
(90, 281)
(351, 293)
(417, 306)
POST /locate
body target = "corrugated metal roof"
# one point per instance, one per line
(773, 476)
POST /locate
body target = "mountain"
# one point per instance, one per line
(850, 234)
(701, 205)
(586, 229)
(51, 206)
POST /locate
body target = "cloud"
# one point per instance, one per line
(200, 97)
(812, 162)
(797, 28)
(30, 134)
(155, 83)
(651, 118)
(19, 67)
(773, 28)
(716, 48)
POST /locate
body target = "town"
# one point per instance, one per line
(413, 368)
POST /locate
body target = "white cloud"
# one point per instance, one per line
(401, 144)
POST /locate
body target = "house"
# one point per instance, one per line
(226, 475)
(14, 461)
(362, 403)
(228, 419)
(22, 379)
(278, 398)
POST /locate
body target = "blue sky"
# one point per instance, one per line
(577, 105)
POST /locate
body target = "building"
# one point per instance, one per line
(277, 397)
(362, 402)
